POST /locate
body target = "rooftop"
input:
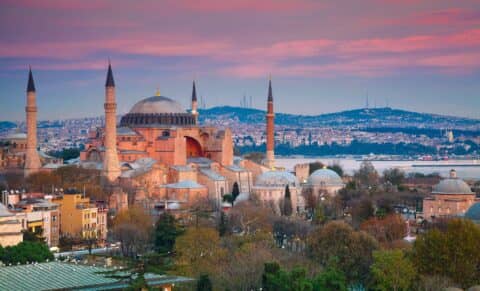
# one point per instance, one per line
(67, 276)
(185, 184)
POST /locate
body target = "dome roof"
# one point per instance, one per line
(473, 212)
(452, 185)
(325, 178)
(276, 179)
(157, 104)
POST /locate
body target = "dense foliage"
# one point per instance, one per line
(353, 249)
(391, 270)
(276, 278)
(166, 232)
(452, 252)
(66, 153)
(25, 252)
(354, 148)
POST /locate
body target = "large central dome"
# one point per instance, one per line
(157, 104)
(157, 111)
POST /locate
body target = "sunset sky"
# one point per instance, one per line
(323, 55)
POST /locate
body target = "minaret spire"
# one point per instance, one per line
(270, 157)
(32, 159)
(31, 84)
(110, 82)
(111, 167)
(194, 102)
(270, 94)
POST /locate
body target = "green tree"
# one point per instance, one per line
(204, 283)
(391, 270)
(198, 251)
(165, 233)
(235, 191)
(452, 253)
(367, 176)
(315, 166)
(275, 278)
(222, 224)
(337, 168)
(319, 216)
(394, 176)
(331, 279)
(36, 236)
(26, 251)
(352, 249)
(287, 203)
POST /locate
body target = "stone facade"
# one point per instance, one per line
(450, 197)
(10, 228)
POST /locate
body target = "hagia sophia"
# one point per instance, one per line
(165, 159)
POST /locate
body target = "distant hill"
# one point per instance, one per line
(4, 125)
(358, 118)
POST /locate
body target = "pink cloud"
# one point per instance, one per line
(250, 5)
(447, 17)
(56, 4)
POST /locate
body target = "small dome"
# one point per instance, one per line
(276, 179)
(157, 104)
(473, 213)
(452, 185)
(325, 178)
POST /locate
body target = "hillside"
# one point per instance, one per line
(4, 125)
(358, 118)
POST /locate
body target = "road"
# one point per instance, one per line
(81, 253)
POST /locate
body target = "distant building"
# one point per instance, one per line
(42, 217)
(451, 197)
(324, 182)
(10, 228)
(158, 146)
(81, 218)
(270, 190)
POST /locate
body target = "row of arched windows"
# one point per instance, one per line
(168, 118)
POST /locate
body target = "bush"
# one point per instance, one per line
(25, 252)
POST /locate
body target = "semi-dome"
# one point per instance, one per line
(473, 213)
(157, 104)
(452, 185)
(157, 111)
(276, 179)
(325, 178)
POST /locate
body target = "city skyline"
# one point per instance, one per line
(415, 55)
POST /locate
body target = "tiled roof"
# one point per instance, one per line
(212, 174)
(186, 184)
(67, 276)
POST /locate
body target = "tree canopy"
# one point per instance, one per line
(352, 249)
(24, 252)
(453, 252)
(165, 233)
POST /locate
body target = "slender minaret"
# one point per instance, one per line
(32, 160)
(111, 168)
(270, 158)
(194, 103)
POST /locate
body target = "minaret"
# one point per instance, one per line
(111, 167)
(32, 160)
(194, 103)
(270, 158)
